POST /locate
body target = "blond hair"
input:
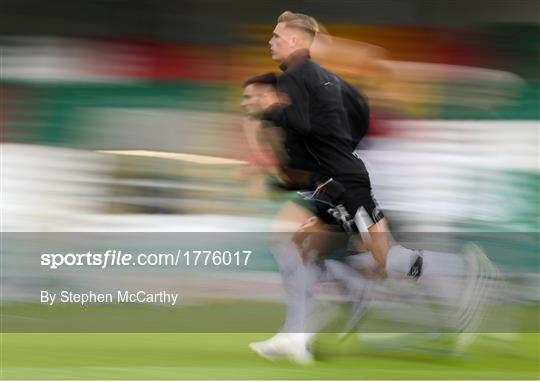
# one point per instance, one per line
(299, 21)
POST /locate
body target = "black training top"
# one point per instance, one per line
(324, 121)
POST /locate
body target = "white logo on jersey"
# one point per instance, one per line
(342, 216)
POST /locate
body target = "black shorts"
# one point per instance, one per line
(348, 204)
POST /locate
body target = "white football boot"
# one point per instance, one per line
(291, 346)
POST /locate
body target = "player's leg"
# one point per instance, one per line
(379, 241)
(299, 277)
(456, 281)
(359, 213)
(300, 266)
(298, 271)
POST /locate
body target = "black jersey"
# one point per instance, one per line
(324, 122)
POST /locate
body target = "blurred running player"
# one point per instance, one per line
(313, 107)
(299, 278)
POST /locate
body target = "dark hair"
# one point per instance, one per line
(262, 79)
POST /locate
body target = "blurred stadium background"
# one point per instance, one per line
(124, 116)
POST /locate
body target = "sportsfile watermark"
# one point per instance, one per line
(114, 257)
(249, 282)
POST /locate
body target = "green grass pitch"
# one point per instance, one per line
(226, 356)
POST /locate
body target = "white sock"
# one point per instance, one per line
(363, 260)
(399, 260)
(343, 274)
(298, 280)
(302, 339)
(443, 279)
(442, 264)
